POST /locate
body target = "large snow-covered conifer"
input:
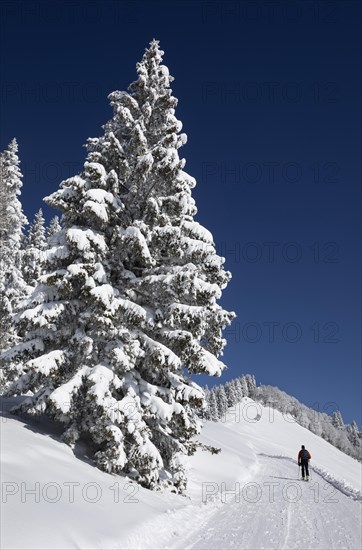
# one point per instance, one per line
(129, 308)
(12, 221)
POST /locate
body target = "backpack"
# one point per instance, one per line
(304, 454)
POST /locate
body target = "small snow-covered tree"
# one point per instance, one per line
(12, 221)
(238, 389)
(251, 385)
(231, 394)
(244, 386)
(222, 402)
(129, 307)
(33, 256)
(212, 411)
(353, 434)
(337, 420)
(205, 413)
(36, 234)
(235, 390)
(54, 227)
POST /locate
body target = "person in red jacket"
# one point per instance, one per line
(303, 460)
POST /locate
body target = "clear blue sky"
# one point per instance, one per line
(269, 95)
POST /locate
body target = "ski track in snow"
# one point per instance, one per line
(302, 515)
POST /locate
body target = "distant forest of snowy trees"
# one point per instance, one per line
(346, 437)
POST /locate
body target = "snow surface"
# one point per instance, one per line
(52, 498)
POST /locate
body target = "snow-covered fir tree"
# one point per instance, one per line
(34, 250)
(243, 386)
(231, 394)
(54, 227)
(251, 385)
(12, 221)
(212, 410)
(337, 420)
(354, 434)
(239, 389)
(129, 307)
(222, 401)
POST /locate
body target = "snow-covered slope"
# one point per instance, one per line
(247, 496)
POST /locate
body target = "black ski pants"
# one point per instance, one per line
(305, 470)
